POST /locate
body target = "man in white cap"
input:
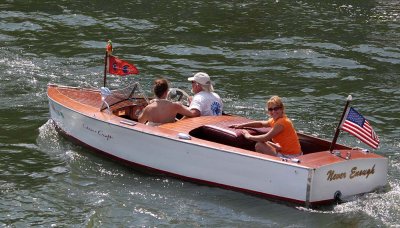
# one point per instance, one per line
(205, 101)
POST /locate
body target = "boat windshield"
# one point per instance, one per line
(131, 92)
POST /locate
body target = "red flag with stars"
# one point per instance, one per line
(120, 67)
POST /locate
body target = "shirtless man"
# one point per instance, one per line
(160, 110)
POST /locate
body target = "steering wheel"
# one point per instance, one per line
(176, 94)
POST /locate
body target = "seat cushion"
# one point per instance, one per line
(222, 133)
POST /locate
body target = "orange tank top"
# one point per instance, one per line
(287, 138)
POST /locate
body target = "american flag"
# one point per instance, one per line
(357, 125)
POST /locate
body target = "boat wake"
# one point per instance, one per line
(381, 205)
(53, 144)
(49, 140)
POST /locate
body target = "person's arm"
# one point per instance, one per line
(255, 124)
(143, 117)
(277, 146)
(264, 137)
(183, 110)
(195, 112)
(195, 106)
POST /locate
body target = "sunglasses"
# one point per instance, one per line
(274, 109)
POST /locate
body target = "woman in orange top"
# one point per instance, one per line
(282, 140)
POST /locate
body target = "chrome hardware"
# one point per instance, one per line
(348, 155)
(127, 122)
(295, 160)
(184, 136)
(365, 151)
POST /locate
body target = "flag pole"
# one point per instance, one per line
(349, 98)
(105, 69)
(108, 52)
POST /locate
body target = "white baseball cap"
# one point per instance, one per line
(203, 79)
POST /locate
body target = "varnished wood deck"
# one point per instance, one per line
(86, 97)
(189, 124)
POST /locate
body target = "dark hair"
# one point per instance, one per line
(160, 87)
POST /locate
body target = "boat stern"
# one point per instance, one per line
(355, 173)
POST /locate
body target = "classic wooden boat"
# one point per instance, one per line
(207, 151)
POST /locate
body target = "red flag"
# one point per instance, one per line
(358, 126)
(120, 67)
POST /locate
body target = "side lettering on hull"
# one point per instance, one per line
(332, 175)
(99, 132)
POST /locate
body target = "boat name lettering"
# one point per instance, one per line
(335, 176)
(354, 172)
(363, 172)
(99, 132)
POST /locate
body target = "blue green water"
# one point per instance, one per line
(311, 53)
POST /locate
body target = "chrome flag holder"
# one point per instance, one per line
(105, 92)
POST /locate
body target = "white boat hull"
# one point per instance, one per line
(223, 166)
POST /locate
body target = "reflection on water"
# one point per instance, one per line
(311, 53)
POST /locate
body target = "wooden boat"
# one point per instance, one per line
(207, 151)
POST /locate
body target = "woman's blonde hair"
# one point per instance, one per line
(275, 101)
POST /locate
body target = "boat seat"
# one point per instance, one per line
(221, 133)
(130, 112)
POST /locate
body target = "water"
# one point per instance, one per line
(311, 53)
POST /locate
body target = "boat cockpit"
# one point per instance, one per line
(129, 102)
